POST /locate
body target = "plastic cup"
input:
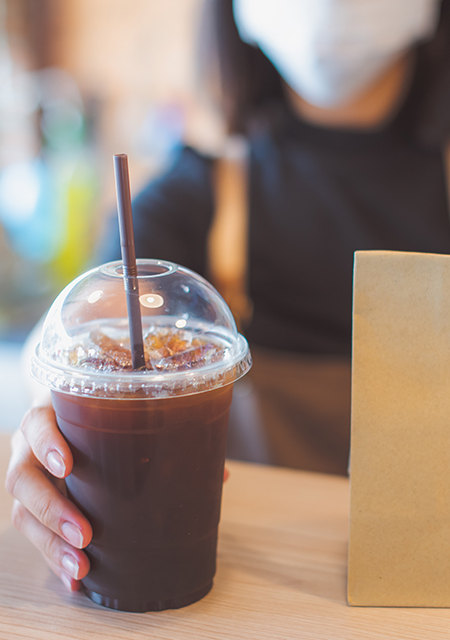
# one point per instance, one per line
(148, 446)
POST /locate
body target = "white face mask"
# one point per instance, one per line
(329, 51)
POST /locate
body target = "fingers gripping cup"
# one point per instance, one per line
(148, 445)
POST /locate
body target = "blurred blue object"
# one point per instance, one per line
(28, 209)
(48, 202)
(14, 395)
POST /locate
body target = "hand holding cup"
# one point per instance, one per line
(40, 461)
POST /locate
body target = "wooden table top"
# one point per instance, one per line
(281, 574)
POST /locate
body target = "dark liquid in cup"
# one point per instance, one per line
(148, 476)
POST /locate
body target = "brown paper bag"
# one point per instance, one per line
(399, 547)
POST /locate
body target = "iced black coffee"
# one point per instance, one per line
(148, 446)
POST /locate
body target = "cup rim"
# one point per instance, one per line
(84, 382)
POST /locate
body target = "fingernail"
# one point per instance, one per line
(56, 464)
(72, 534)
(70, 565)
(67, 581)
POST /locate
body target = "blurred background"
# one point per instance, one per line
(81, 80)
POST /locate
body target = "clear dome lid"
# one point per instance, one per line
(191, 343)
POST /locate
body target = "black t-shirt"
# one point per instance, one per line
(316, 196)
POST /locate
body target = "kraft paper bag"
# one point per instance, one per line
(399, 546)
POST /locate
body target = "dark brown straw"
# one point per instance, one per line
(130, 279)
